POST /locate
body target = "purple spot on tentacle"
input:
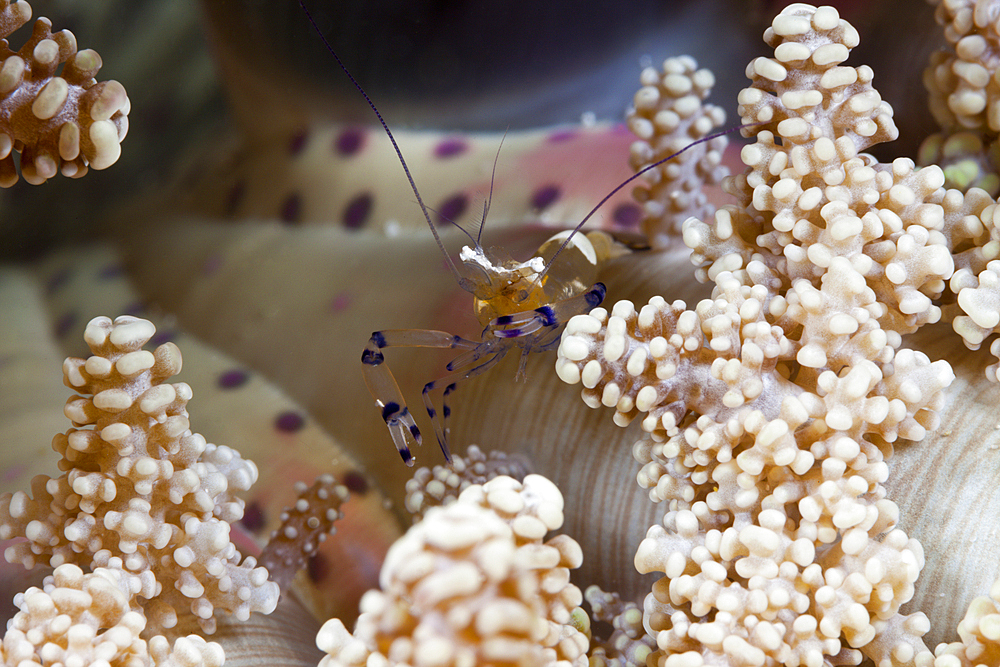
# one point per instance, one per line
(355, 482)
(357, 211)
(65, 323)
(298, 142)
(291, 209)
(349, 141)
(235, 197)
(341, 301)
(452, 207)
(450, 148)
(289, 422)
(544, 197)
(253, 517)
(58, 279)
(163, 336)
(111, 271)
(14, 471)
(232, 379)
(627, 215)
(317, 568)
(211, 265)
(562, 135)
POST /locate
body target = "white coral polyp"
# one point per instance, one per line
(668, 115)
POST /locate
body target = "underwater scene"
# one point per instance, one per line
(634, 333)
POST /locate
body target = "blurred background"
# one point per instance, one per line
(443, 64)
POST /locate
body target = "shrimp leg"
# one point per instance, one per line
(383, 386)
(441, 426)
(554, 315)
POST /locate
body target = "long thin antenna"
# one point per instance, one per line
(462, 281)
(489, 202)
(629, 180)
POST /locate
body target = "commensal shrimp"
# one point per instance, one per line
(521, 305)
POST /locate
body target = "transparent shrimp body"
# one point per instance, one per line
(504, 286)
(521, 305)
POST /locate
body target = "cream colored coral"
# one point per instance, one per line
(141, 492)
(964, 96)
(442, 484)
(667, 116)
(963, 90)
(58, 123)
(472, 583)
(767, 408)
(980, 635)
(87, 619)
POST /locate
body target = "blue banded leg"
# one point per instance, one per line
(440, 428)
(486, 348)
(383, 386)
(553, 315)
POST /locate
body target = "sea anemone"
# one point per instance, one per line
(292, 305)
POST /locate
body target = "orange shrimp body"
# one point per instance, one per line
(503, 286)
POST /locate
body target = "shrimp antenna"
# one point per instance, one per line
(629, 180)
(486, 204)
(462, 281)
(489, 202)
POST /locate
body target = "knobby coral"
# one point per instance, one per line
(473, 583)
(964, 96)
(141, 493)
(667, 115)
(59, 123)
(770, 408)
(79, 618)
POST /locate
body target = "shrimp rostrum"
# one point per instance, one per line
(521, 305)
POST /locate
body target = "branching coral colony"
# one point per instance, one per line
(61, 123)
(138, 526)
(769, 409)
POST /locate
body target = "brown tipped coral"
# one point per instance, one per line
(59, 122)
(87, 619)
(769, 408)
(141, 492)
(473, 583)
(667, 116)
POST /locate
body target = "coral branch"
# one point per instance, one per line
(141, 492)
(59, 123)
(473, 583)
(668, 116)
(769, 409)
